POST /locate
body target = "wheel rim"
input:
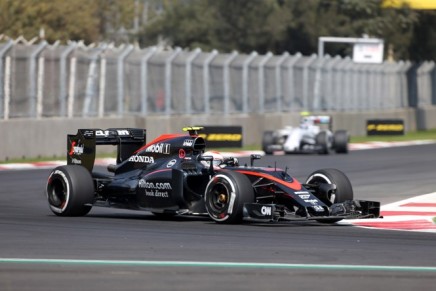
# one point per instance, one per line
(219, 199)
(57, 192)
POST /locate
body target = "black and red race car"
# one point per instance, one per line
(172, 175)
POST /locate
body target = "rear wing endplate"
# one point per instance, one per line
(81, 147)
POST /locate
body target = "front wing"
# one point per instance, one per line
(352, 209)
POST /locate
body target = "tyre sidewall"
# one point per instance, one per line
(344, 189)
(78, 188)
(240, 191)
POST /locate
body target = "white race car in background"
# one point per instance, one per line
(313, 135)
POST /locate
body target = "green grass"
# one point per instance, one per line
(418, 135)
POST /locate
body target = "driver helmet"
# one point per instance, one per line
(218, 158)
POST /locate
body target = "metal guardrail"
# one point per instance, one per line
(43, 80)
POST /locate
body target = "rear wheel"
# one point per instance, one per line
(225, 196)
(340, 141)
(343, 191)
(70, 191)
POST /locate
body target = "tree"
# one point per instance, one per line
(62, 20)
(226, 25)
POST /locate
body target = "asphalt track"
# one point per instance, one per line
(113, 249)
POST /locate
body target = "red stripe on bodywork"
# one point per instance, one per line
(295, 185)
(161, 138)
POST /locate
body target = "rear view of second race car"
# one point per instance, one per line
(313, 135)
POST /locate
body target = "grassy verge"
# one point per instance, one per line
(417, 135)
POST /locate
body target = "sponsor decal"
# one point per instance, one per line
(154, 189)
(182, 153)
(76, 149)
(88, 133)
(266, 210)
(120, 132)
(171, 163)
(222, 136)
(318, 208)
(154, 185)
(311, 201)
(160, 148)
(76, 161)
(188, 142)
(142, 159)
(385, 127)
(303, 194)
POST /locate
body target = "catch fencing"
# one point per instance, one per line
(40, 80)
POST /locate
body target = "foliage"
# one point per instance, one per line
(63, 20)
(226, 25)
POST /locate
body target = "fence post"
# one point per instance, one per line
(279, 91)
(144, 79)
(226, 80)
(306, 82)
(188, 79)
(261, 80)
(3, 76)
(63, 78)
(32, 94)
(71, 84)
(291, 80)
(245, 65)
(102, 86)
(168, 88)
(206, 87)
(90, 82)
(120, 78)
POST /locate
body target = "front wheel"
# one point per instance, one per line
(225, 196)
(70, 191)
(342, 193)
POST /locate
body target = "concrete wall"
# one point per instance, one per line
(30, 138)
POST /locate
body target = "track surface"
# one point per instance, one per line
(313, 253)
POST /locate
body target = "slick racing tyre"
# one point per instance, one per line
(267, 140)
(70, 191)
(322, 143)
(225, 196)
(340, 141)
(343, 192)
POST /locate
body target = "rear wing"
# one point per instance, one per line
(318, 120)
(81, 147)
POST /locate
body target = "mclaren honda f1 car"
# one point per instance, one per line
(172, 175)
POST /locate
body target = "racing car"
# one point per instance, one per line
(313, 135)
(173, 175)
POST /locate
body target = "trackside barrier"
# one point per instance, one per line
(104, 80)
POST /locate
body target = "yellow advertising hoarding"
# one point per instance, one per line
(414, 4)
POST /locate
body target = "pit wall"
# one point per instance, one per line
(32, 138)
